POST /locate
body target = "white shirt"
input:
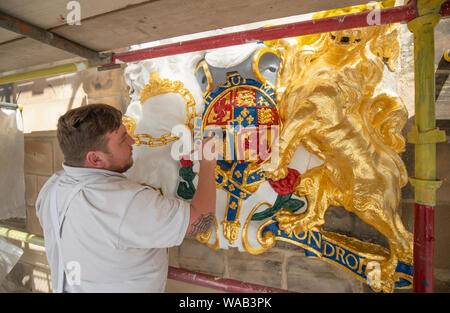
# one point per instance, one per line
(115, 233)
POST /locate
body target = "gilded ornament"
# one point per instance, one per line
(231, 230)
(158, 86)
(255, 62)
(327, 104)
(130, 125)
(204, 237)
(205, 68)
(245, 242)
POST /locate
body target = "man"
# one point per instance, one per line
(106, 232)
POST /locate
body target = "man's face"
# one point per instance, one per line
(119, 156)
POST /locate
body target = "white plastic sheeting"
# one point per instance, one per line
(12, 180)
(9, 256)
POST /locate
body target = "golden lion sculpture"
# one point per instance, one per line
(328, 103)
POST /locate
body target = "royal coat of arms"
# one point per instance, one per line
(304, 127)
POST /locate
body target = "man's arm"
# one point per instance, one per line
(203, 204)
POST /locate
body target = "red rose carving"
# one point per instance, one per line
(185, 161)
(286, 185)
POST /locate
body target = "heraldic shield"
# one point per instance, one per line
(242, 113)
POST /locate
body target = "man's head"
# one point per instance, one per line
(94, 136)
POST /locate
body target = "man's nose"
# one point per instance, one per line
(130, 140)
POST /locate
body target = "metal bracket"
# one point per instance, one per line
(102, 59)
(447, 55)
(425, 190)
(425, 7)
(434, 135)
(11, 106)
(108, 67)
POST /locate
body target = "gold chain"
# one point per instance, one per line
(157, 86)
(145, 139)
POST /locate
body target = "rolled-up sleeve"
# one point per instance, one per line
(153, 221)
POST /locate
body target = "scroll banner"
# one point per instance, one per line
(322, 245)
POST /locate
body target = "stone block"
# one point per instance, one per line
(442, 235)
(175, 286)
(58, 156)
(41, 180)
(406, 210)
(41, 280)
(38, 157)
(119, 102)
(41, 113)
(310, 275)
(31, 190)
(408, 159)
(173, 257)
(443, 169)
(264, 269)
(339, 220)
(442, 280)
(196, 256)
(33, 226)
(103, 83)
(34, 255)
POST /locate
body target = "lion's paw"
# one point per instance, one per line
(287, 221)
(381, 277)
(277, 174)
(298, 223)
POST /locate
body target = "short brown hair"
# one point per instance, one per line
(83, 129)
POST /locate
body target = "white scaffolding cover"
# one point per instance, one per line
(12, 181)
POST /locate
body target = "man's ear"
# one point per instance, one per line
(95, 159)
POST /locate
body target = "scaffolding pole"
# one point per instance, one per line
(50, 71)
(18, 26)
(10, 106)
(424, 135)
(399, 14)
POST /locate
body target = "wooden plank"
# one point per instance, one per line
(51, 14)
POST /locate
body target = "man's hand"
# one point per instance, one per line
(203, 205)
(211, 147)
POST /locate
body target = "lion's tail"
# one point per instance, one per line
(387, 115)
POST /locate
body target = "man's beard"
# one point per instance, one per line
(125, 167)
(121, 169)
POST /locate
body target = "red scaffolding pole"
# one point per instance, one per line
(399, 14)
(423, 279)
(228, 285)
(367, 18)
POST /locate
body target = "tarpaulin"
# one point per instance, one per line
(12, 180)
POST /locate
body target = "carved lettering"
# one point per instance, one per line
(325, 249)
(316, 240)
